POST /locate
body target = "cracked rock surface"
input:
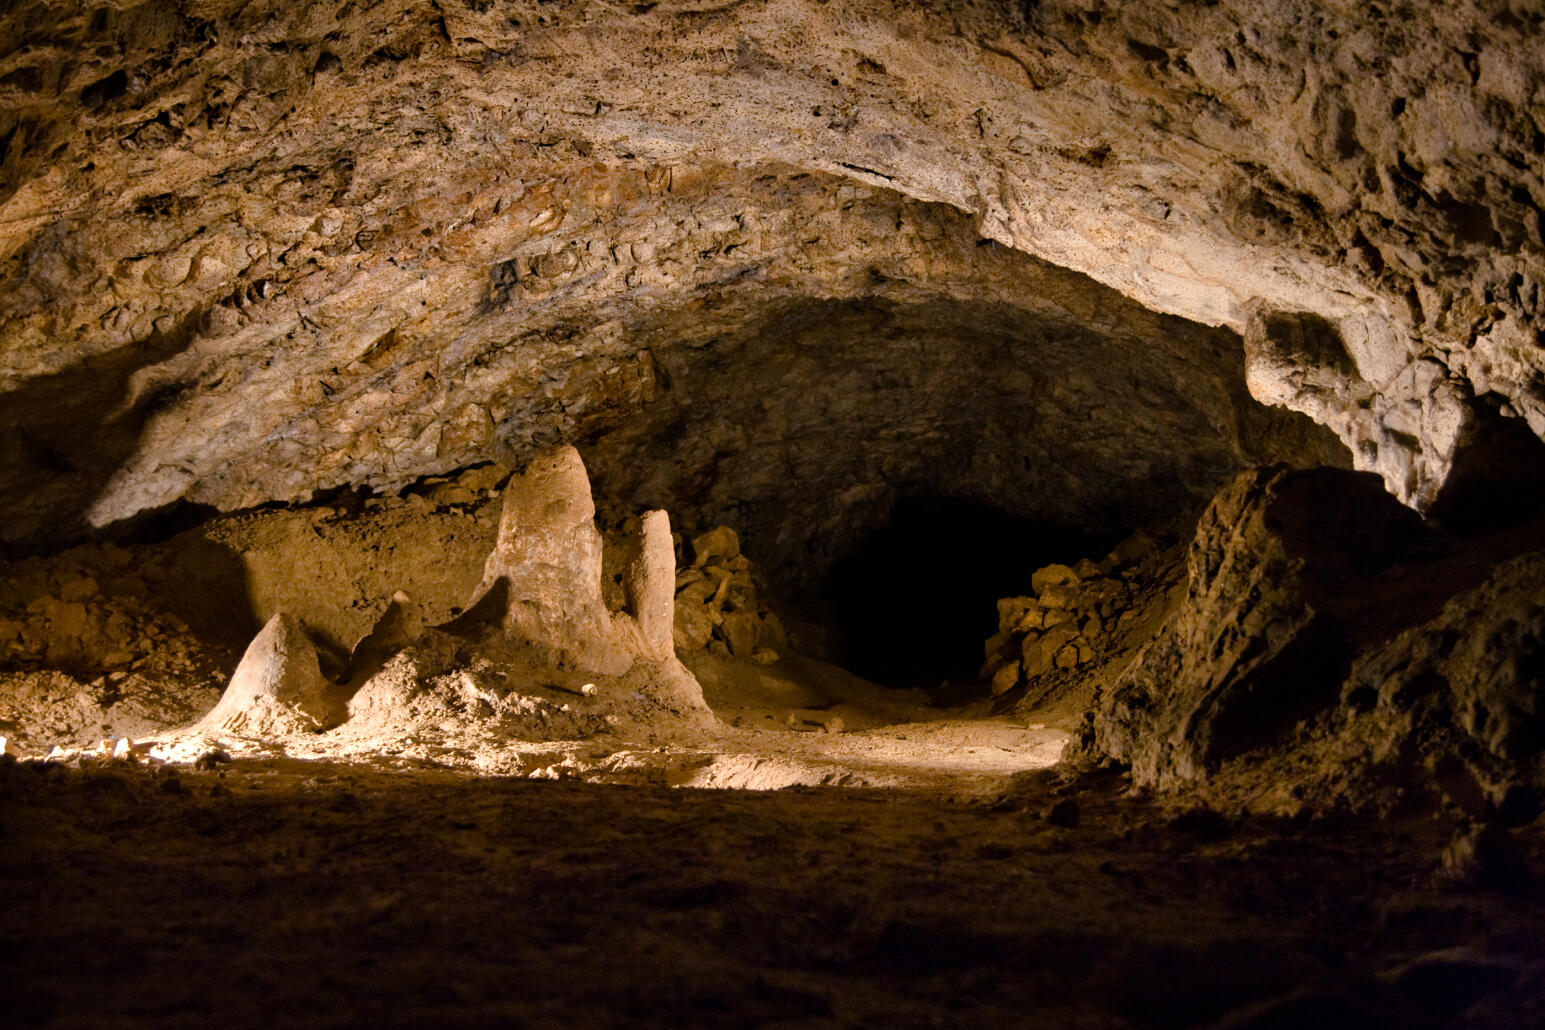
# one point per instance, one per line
(251, 251)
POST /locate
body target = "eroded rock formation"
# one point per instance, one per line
(278, 690)
(277, 248)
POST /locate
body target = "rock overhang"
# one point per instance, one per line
(288, 206)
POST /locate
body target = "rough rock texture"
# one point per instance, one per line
(718, 606)
(544, 574)
(1330, 651)
(1464, 695)
(278, 248)
(1037, 398)
(278, 689)
(1075, 613)
(1278, 601)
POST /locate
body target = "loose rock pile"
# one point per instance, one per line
(1068, 621)
(86, 652)
(717, 607)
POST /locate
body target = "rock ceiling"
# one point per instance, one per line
(250, 251)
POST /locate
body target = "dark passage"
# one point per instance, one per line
(913, 605)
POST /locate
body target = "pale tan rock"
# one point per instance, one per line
(765, 656)
(693, 623)
(1067, 658)
(1036, 657)
(548, 557)
(277, 690)
(1011, 610)
(1056, 617)
(648, 584)
(1221, 186)
(741, 630)
(1052, 575)
(1065, 596)
(399, 626)
(716, 546)
(1035, 618)
(1005, 679)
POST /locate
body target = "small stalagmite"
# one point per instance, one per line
(278, 689)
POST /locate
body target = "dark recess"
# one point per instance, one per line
(913, 604)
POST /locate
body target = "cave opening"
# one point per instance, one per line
(912, 604)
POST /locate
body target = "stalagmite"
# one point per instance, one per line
(277, 690)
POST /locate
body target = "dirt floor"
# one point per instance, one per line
(290, 893)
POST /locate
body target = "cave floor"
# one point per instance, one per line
(290, 893)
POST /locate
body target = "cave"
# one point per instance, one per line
(772, 513)
(930, 577)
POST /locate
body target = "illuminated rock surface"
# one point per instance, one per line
(773, 394)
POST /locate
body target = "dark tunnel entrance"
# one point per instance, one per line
(913, 604)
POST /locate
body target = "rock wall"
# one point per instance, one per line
(252, 250)
(1330, 650)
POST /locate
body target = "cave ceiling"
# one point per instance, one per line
(253, 251)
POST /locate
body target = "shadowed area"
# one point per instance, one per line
(911, 606)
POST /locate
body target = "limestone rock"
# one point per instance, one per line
(548, 557)
(1264, 636)
(1005, 679)
(649, 584)
(741, 630)
(399, 625)
(1052, 576)
(693, 624)
(719, 544)
(277, 689)
(1063, 596)
(1469, 675)
(410, 295)
(1013, 611)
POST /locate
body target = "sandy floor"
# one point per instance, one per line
(287, 893)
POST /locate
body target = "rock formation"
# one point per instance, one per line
(278, 689)
(288, 248)
(776, 266)
(717, 605)
(546, 567)
(1309, 655)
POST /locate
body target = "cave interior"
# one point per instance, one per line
(772, 513)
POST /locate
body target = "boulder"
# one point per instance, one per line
(1013, 610)
(1005, 679)
(718, 545)
(741, 631)
(693, 624)
(1065, 596)
(1052, 575)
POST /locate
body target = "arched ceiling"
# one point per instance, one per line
(254, 250)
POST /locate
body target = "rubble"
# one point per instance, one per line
(1069, 622)
(717, 606)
